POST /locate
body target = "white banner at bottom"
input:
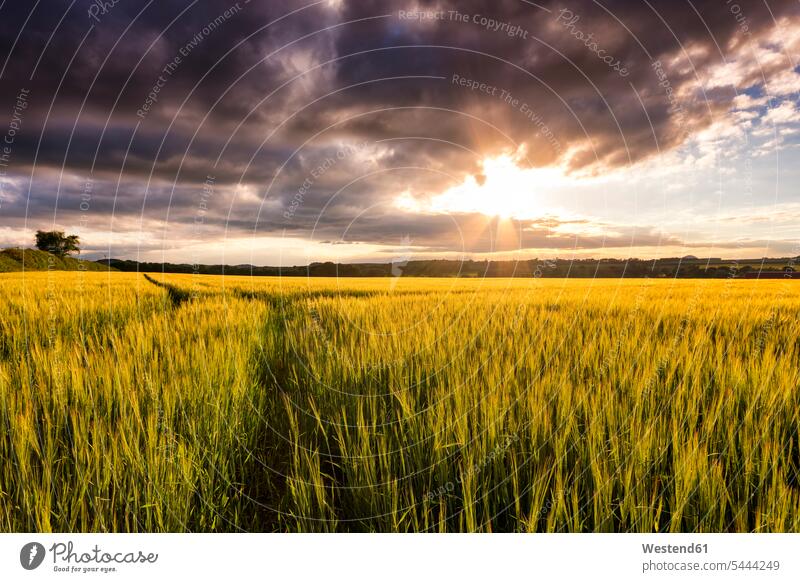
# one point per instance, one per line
(371, 557)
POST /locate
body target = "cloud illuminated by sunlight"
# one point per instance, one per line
(503, 189)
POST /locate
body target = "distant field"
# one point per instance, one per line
(203, 403)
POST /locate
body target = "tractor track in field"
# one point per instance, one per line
(176, 296)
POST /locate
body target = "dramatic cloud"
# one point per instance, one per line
(346, 121)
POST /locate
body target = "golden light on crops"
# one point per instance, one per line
(150, 404)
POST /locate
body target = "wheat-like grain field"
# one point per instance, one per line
(200, 403)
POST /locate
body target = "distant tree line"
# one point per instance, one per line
(689, 267)
(579, 268)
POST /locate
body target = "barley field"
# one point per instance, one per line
(200, 403)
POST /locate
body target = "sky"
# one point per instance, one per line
(292, 132)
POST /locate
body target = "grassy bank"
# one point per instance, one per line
(35, 260)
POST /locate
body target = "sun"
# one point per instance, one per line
(503, 189)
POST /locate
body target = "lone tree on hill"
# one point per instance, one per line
(54, 241)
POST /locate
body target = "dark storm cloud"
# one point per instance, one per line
(155, 98)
